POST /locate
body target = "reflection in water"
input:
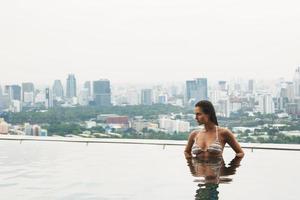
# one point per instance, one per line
(211, 172)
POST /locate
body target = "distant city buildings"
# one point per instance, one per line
(102, 92)
(87, 87)
(71, 87)
(196, 90)
(172, 126)
(297, 83)
(146, 97)
(228, 96)
(28, 93)
(58, 90)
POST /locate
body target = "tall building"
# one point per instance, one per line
(146, 97)
(71, 86)
(27, 89)
(87, 86)
(83, 97)
(251, 86)
(58, 90)
(4, 99)
(266, 104)
(290, 92)
(297, 83)
(14, 92)
(102, 92)
(196, 90)
(223, 108)
(49, 98)
(163, 99)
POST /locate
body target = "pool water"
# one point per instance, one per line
(57, 170)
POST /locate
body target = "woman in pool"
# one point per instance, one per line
(210, 142)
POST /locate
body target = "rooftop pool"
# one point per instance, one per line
(76, 170)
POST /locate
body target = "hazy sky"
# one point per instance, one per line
(148, 40)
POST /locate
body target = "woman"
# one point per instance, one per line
(210, 142)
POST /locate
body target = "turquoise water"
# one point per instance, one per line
(54, 170)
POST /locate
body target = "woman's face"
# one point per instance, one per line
(201, 117)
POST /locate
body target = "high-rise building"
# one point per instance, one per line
(27, 88)
(251, 86)
(297, 83)
(4, 101)
(146, 97)
(266, 104)
(196, 90)
(49, 98)
(58, 90)
(290, 91)
(83, 97)
(102, 92)
(71, 86)
(13, 91)
(87, 86)
(163, 99)
(223, 108)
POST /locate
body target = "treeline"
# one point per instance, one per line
(82, 113)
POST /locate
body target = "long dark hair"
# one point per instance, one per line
(208, 108)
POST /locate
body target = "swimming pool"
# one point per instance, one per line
(56, 170)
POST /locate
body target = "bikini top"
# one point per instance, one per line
(215, 147)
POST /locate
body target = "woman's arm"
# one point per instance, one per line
(231, 140)
(189, 145)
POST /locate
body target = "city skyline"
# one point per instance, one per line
(11, 76)
(80, 81)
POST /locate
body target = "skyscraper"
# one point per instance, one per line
(49, 98)
(58, 90)
(290, 91)
(71, 86)
(4, 99)
(27, 87)
(251, 86)
(297, 82)
(196, 90)
(102, 92)
(266, 104)
(28, 92)
(146, 97)
(14, 92)
(87, 86)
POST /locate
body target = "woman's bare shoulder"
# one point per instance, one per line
(194, 133)
(224, 131)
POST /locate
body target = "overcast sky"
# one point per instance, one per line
(148, 40)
